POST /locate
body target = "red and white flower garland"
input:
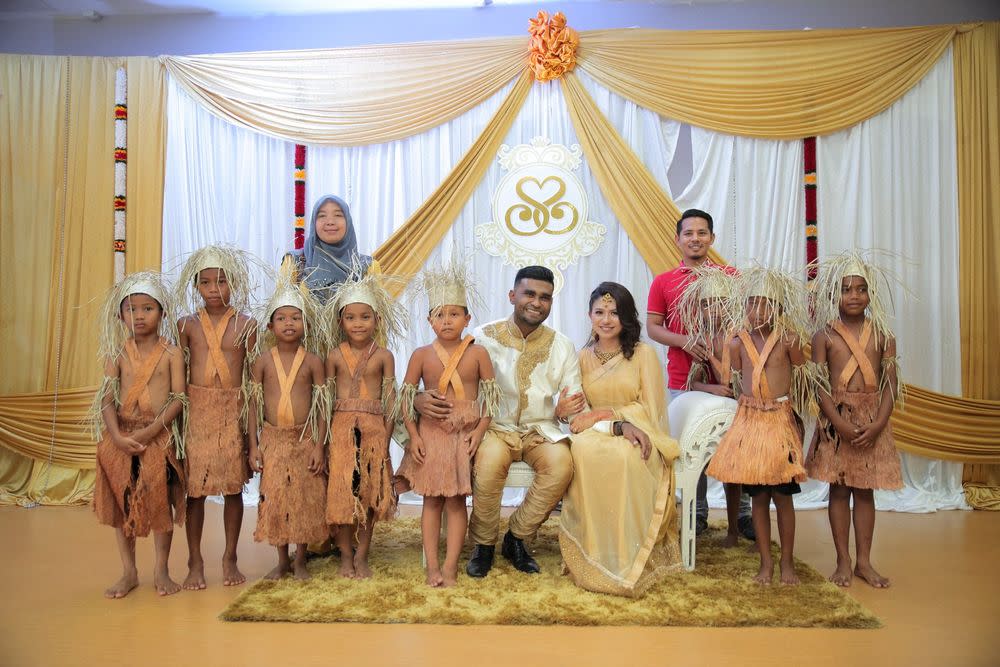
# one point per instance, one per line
(121, 155)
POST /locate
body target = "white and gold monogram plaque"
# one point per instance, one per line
(540, 209)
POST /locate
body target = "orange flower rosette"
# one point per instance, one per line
(553, 45)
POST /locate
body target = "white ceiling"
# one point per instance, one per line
(50, 9)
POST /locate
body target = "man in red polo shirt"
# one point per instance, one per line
(695, 236)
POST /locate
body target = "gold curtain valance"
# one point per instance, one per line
(769, 84)
(350, 96)
(727, 81)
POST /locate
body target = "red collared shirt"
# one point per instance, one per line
(664, 294)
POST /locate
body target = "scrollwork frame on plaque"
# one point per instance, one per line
(540, 209)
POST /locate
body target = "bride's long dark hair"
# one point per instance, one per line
(627, 315)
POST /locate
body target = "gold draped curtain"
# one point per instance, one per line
(351, 96)
(811, 92)
(977, 121)
(56, 232)
(776, 85)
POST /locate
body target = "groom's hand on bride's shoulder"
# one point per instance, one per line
(432, 404)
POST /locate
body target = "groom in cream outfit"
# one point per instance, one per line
(539, 374)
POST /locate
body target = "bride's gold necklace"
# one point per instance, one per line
(605, 357)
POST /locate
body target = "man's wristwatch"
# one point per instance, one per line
(616, 428)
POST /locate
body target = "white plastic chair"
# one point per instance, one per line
(698, 421)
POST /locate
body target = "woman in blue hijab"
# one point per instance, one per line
(331, 247)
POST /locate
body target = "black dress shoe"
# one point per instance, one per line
(481, 562)
(514, 550)
(745, 524)
(700, 525)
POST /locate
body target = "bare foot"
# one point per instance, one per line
(868, 573)
(450, 576)
(231, 575)
(434, 578)
(842, 576)
(300, 571)
(280, 570)
(732, 540)
(788, 576)
(765, 574)
(347, 566)
(122, 587)
(361, 569)
(164, 584)
(195, 581)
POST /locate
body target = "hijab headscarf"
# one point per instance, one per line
(327, 264)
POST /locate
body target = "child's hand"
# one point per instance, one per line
(144, 435)
(317, 460)
(128, 444)
(418, 450)
(846, 430)
(867, 435)
(472, 442)
(719, 390)
(255, 462)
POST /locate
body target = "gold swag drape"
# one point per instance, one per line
(770, 84)
(56, 232)
(774, 84)
(351, 96)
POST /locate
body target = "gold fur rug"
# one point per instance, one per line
(719, 593)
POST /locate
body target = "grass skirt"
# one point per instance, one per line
(763, 445)
(836, 462)
(291, 497)
(216, 452)
(142, 492)
(360, 469)
(447, 468)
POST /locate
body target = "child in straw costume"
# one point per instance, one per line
(214, 288)
(700, 309)
(140, 482)
(853, 447)
(289, 403)
(362, 317)
(763, 447)
(438, 459)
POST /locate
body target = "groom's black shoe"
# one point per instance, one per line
(481, 562)
(514, 550)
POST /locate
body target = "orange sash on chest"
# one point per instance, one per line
(858, 357)
(286, 415)
(450, 363)
(356, 366)
(758, 383)
(138, 393)
(216, 363)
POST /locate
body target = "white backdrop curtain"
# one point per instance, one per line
(229, 184)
